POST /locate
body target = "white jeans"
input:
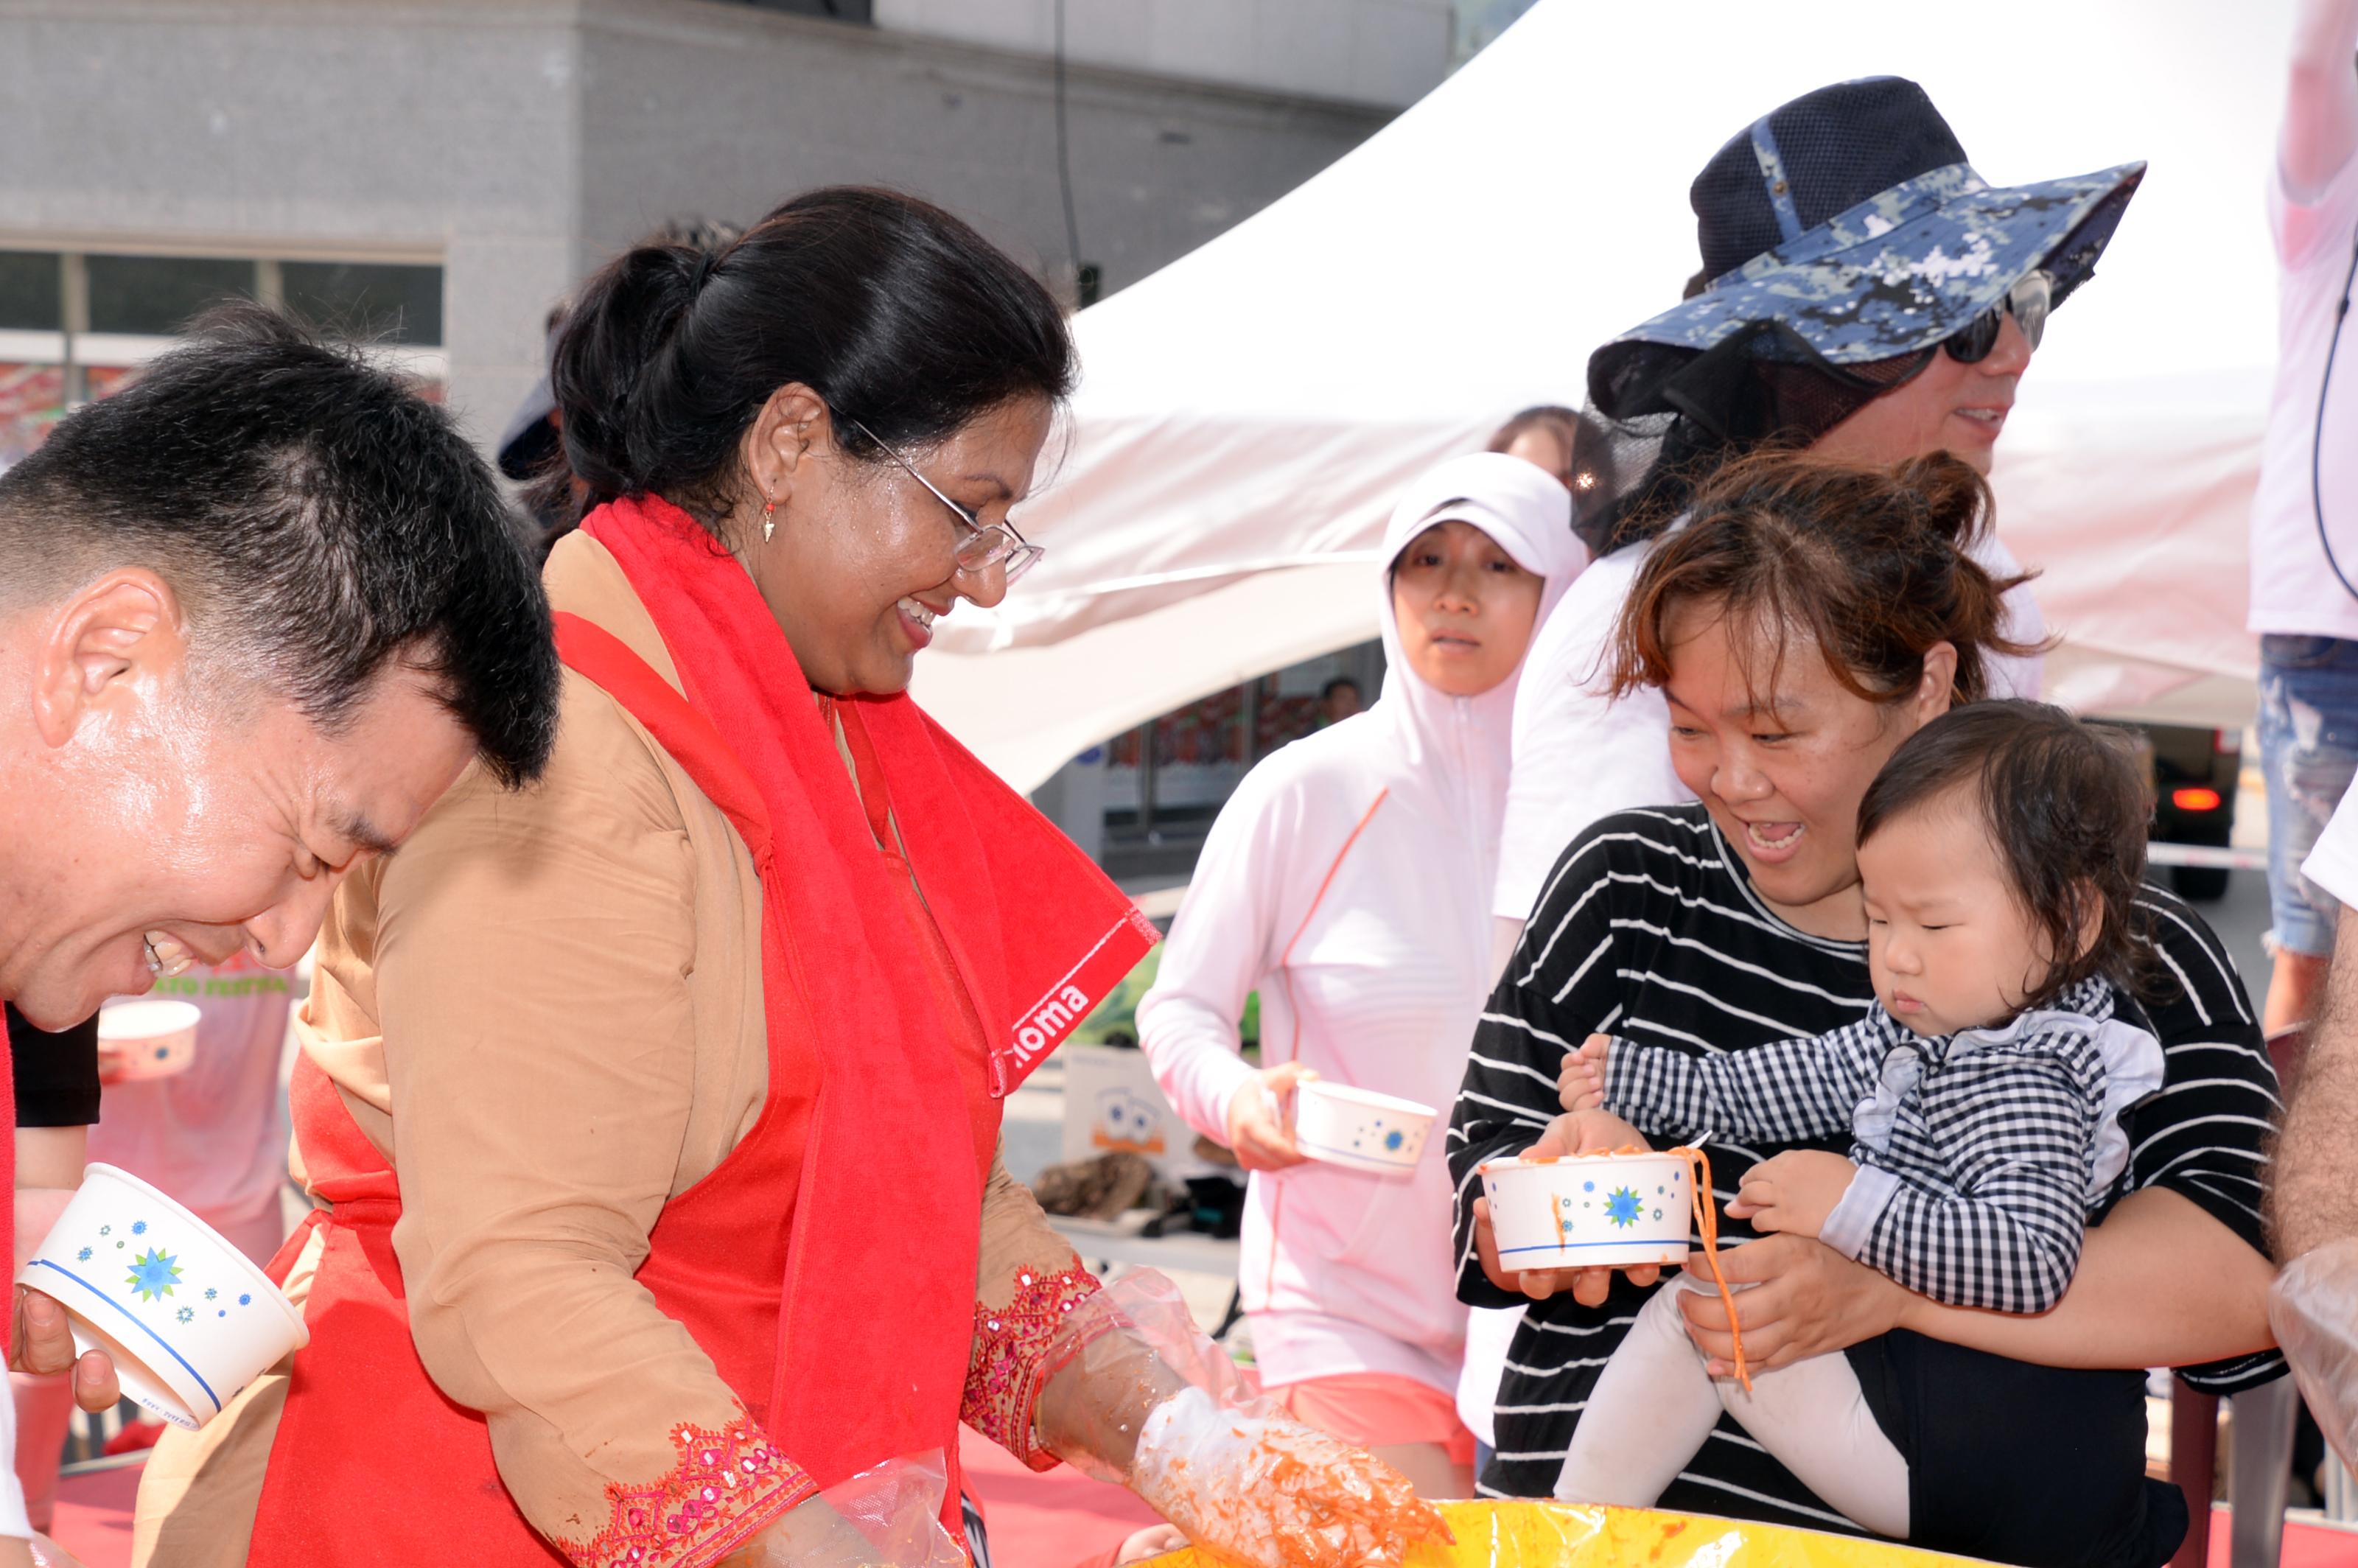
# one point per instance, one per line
(1655, 1405)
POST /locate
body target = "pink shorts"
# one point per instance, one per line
(1377, 1409)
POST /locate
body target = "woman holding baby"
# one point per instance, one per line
(1761, 642)
(1804, 625)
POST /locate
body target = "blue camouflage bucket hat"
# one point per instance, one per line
(1847, 229)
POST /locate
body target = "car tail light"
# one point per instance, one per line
(2195, 799)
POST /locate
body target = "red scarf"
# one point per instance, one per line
(879, 1303)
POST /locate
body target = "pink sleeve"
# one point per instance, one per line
(1222, 945)
(2301, 231)
(2311, 186)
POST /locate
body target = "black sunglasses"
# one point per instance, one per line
(2029, 300)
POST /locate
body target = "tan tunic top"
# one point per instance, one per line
(547, 1012)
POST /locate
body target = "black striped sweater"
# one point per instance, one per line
(1648, 928)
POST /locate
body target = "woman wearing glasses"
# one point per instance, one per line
(658, 1110)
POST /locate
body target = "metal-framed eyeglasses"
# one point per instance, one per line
(986, 544)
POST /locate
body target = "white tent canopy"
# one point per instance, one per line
(1248, 414)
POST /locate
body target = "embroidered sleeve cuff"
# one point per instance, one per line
(727, 1487)
(1852, 1221)
(1012, 1358)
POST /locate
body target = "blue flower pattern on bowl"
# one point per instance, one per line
(1591, 1218)
(1377, 1140)
(155, 1276)
(156, 1273)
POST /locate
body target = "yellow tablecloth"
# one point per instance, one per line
(1562, 1535)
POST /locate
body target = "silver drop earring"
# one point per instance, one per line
(769, 518)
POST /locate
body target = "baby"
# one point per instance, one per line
(1999, 850)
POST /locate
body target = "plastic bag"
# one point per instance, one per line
(897, 1510)
(2313, 1307)
(1215, 1457)
(1267, 1490)
(1159, 1327)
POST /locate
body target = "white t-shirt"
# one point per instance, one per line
(215, 1136)
(2332, 864)
(1580, 755)
(2293, 587)
(1489, 1335)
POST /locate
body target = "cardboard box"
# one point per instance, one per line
(1111, 1102)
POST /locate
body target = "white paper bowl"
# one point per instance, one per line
(1360, 1129)
(188, 1318)
(1590, 1210)
(151, 1039)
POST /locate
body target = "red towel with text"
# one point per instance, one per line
(877, 1318)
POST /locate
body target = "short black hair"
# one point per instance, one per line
(319, 519)
(1332, 687)
(2066, 809)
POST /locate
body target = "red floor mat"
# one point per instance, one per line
(1054, 1521)
(94, 1515)
(1051, 1521)
(1053, 1518)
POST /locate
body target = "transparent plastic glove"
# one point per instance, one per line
(2313, 1307)
(1141, 1397)
(890, 1516)
(1154, 1541)
(48, 1553)
(1268, 1491)
(1120, 1354)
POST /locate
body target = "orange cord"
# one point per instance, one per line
(1706, 1212)
(1706, 1208)
(1327, 882)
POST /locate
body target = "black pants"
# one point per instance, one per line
(2036, 1466)
(977, 1539)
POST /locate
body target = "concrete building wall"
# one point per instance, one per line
(519, 142)
(722, 110)
(1388, 52)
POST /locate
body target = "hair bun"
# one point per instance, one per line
(624, 318)
(888, 307)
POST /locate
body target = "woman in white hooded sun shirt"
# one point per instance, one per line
(1348, 880)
